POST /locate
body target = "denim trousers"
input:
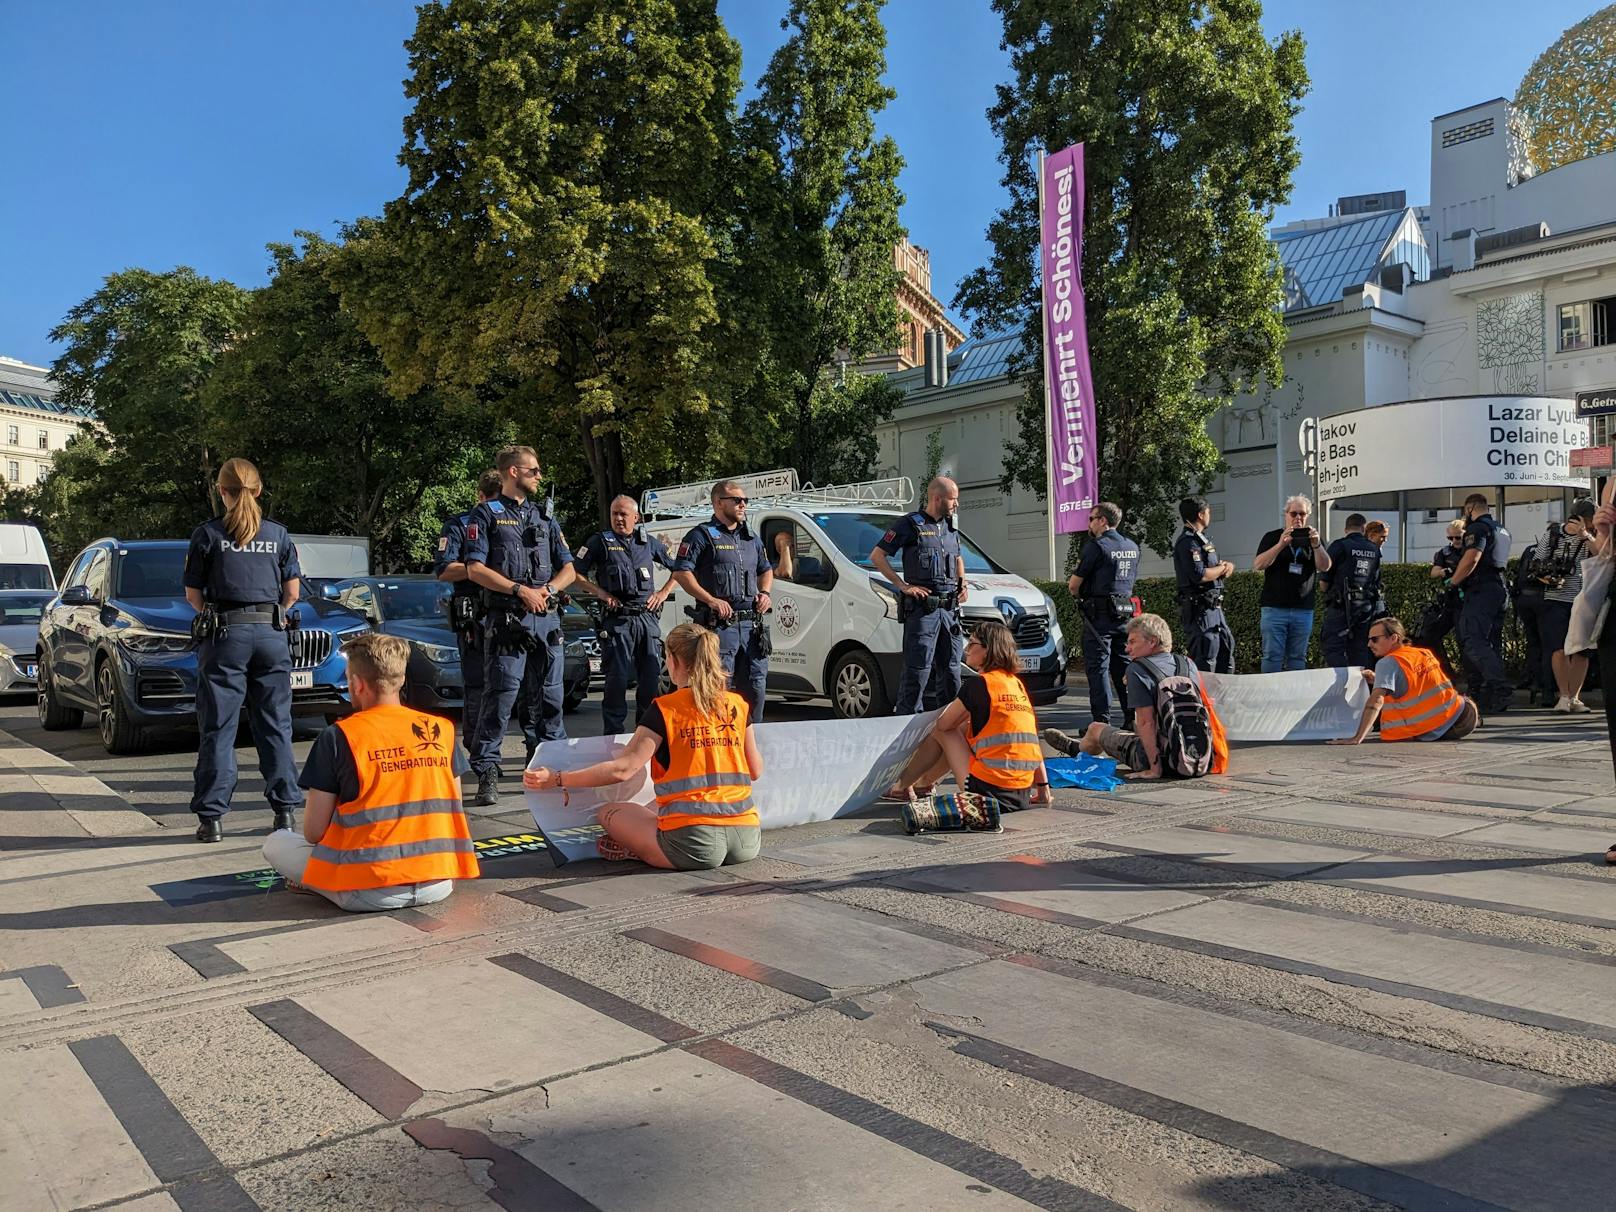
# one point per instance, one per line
(1285, 632)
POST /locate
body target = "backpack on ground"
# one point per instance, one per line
(1183, 723)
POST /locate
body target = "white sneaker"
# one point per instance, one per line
(1578, 707)
(1563, 706)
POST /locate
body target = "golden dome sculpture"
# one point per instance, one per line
(1568, 96)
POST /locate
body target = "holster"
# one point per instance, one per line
(207, 625)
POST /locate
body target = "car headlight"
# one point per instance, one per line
(438, 654)
(1054, 621)
(887, 595)
(150, 643)
(574, 648)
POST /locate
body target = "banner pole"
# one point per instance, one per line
(1049, 398)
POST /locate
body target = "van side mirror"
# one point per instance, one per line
(77, 595)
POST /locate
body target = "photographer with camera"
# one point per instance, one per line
(1290, 559)
(1557, 565)
(1527, 590)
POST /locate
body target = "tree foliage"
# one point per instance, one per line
(1186, 111)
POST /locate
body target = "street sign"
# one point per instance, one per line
(1307, 437)
(1596, 403)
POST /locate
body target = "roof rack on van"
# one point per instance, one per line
(680, 501)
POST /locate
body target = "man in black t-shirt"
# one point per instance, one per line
(1290, 560)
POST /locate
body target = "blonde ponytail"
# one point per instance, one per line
(697, 650)
(239, 478)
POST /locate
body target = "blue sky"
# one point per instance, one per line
(190, 132)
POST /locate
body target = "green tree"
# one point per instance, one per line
(139, 351)
(818, 220)
(303, 394)
(553, 256)
(1186, 110)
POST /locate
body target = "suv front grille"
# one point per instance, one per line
(161, 686)
(309, 648)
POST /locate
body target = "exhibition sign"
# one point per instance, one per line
(1457, 442)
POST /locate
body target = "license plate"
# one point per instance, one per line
(30, 671)
(302, 679)
(594, 664)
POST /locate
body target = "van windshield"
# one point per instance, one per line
(24, 576)
(856, 534)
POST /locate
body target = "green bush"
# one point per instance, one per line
(1408, 588)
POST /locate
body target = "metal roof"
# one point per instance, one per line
(981, 358)
(18, 399)
(1319, 263)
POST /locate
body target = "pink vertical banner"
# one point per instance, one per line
(1074, 480)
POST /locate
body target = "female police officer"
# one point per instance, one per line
(241, 573)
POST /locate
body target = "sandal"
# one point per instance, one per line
(611, 850)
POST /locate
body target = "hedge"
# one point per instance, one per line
(1408, 588)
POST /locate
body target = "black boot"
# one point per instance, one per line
(210, 830)
(487, 789)
(284, 819)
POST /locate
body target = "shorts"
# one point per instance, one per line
(1553, 621)
(702, 847)
(1125, 747)
(1011, 799)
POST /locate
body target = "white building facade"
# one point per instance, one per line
(33, 426)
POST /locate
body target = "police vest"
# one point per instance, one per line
(1192, 588)
(931, 559)
(624, 566)
(245, 573)
(1006, 752)
(452, 549)
(1430, 702)
(519, 536)
(1118, 567)
(706, 780)
(1448, 558)
(406, 825)
(1355, 575)
(731, 563)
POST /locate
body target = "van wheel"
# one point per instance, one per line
(857, 690)
(53, 717)
(118, 735)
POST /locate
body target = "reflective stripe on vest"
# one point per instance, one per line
(706, 780)
(1006, 752)
(1431, 700)
(406, 825)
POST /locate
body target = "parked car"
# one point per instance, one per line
(414, 608)
(117, 642)
(20, 612)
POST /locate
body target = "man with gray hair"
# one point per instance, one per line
(1290, 559)
(1150, 659)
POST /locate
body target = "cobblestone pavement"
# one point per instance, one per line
(1333, 979)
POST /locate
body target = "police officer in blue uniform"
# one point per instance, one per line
(465, 608)
(618, 566)
(1103, 587)
(241, 577)
(930, 592)
(1200, 576)
(516, 552)
(1480, 578)
(722, 564)
(1352, 597)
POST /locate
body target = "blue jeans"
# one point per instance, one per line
(1285, 632)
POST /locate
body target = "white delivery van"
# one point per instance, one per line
(24, 563)
(835, 619)
(336, 557)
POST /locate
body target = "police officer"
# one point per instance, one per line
(241, 577)
(618, 567)
(1103, 587)
(1352, 595)
(1200, 576)
(515, 550)
(1480, 578)
(930, 592)
(465, 607)
(722, 564)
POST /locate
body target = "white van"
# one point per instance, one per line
(835, 619)
(24, 562)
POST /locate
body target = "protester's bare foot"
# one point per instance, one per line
(611, 850)
(1610, 856)
(1090, 744)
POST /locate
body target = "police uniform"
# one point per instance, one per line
(520, 541)
(727, 563)
(933, 641)
(464, 608)
(631, 636)
(1108, 567)
(1352, 600)
(1481, 613)
(1200, 603)
(251, 663)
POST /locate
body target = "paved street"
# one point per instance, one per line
(1332, 979)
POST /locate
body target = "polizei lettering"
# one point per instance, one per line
(261, 546)
(1068, 386)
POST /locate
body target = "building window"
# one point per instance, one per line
(12, 435)
(41, 473)
(44, 439)
(1586, 325)
(13, 473)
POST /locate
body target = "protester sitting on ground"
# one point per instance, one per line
(988, 736)
(1410, 694)
(703, 758)
(383, 827)
(1150, 662)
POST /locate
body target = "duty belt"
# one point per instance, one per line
(248, 614)
(628, 611)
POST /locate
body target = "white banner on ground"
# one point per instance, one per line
(1302, 705)
(812, 771)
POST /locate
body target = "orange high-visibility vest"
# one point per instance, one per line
(706, 780)
(1006, 752)
(406, 825)
(1430, 702)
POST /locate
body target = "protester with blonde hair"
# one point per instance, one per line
(241, 576)
(704, 759)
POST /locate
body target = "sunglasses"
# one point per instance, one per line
(526, 471)
(1296, 513)
(736, 500)
(1379, 635)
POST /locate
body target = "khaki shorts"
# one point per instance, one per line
(700, 847)
(1125, 747)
